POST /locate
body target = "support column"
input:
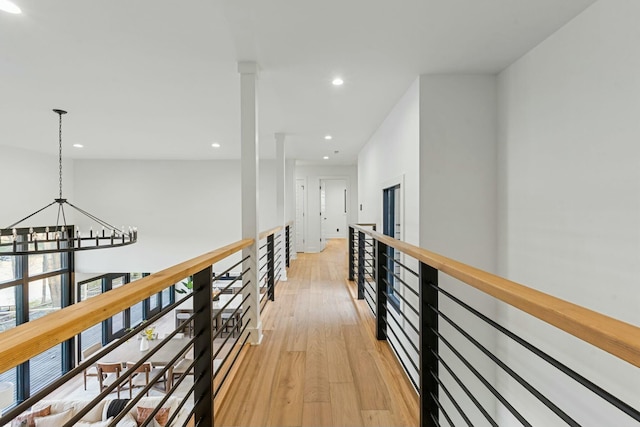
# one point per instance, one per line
(280, 198)
(249, 185)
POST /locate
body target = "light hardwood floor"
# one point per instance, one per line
(319, 363)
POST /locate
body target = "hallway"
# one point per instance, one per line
(319, 363)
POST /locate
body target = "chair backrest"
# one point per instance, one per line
(145, 367)
(109, 368)
(90, 350)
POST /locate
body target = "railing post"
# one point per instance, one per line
(428, 345)
(380, 261)
(361, 268)
(287, 247)
(202, 347)
(271, 271)
(351, 254)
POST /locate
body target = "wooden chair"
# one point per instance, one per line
(108, 373)
(179, 369)
(91, 371)
(139, 377)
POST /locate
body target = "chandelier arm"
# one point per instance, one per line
(64, 218)
(27, 217)
(95, 218)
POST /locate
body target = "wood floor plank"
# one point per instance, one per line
(316, 379)
(345, 407)
(371, 388)
(317, 414)
(287, 390)
(378, 419)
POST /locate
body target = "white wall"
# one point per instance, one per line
(458, 209)
(313, 175)
(392, 155)
(30, 182)
(569, 195)
(181, 208)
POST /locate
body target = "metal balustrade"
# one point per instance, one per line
(439, 338)
(214, 324)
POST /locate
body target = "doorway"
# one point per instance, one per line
(300, 215)
(333, 209)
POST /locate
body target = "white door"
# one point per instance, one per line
(323, 209)
(334, 218)
(300, 217)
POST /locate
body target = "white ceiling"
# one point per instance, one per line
(157, 79)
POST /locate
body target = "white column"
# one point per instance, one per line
(280, 199)
(249, 185)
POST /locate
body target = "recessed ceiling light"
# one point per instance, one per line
(337, 81)
(10, 7)
(78, 145)
(215, 145)
(328, 137)
(326, 157)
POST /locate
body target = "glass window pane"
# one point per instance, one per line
(45, 368)
(7, 308)
(154, 302)
(166, 297)
(91, 336)
(44, 263)
(9, 376)
(117, 282)
(136, 314)
(45, 296)
(90, 289)
(9, 268)
(118, 322)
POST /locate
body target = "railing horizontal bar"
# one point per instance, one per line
(38, 335)
(404, 365)
(484, 381)
(395, 261)
(444, 412)
(413, 344)
(405, 284)
(393, 333)
(224, 325)
(611, 335)
(402, 298)
(246, 312)
(220, 276)
(370, 306)
(228, 286)
(465, 389)
(232, 363)
(226, 357)
(556, 410)
(451, 399)
(600, 392)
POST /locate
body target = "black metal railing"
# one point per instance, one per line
(202, 337)
(441, 342)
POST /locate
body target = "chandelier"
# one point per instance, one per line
(62, 237)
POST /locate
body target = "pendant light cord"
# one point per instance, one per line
(60, 150)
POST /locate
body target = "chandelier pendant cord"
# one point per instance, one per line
(60, 149)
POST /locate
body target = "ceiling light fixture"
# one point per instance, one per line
(328, 137)
(78, 145)
(337, 81)
(62, 237)
(215, 145)
(10, 7)
(326, 157)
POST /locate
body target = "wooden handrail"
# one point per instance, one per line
(268, 233)
(34, 337)
(611, 335)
